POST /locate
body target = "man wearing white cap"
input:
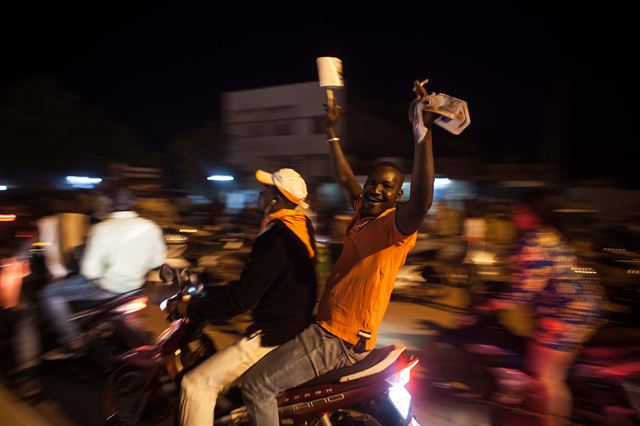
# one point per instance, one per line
(278, 283)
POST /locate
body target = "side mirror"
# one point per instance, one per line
(168, 275)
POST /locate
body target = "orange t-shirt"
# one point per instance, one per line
(359, 287)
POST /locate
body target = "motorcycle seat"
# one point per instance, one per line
(377, 361)
(105, 304)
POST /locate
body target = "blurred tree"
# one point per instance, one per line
(194, 153)
(47, 129)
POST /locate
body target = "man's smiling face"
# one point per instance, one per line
(381, 191)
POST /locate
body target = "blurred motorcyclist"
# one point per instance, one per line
(120, 252)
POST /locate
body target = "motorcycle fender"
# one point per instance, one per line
(143, 357)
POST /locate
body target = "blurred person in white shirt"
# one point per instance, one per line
(120, 251)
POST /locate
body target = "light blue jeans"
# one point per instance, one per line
(55, 304)
(26, 337)
(310, 354)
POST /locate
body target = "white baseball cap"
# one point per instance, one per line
(289, 183)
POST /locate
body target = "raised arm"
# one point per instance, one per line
(412, 213)
(341, 168)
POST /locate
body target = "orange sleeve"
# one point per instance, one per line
(391, 229)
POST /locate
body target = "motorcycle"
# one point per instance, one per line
(145, 387)
(110, 327)
(485, 362)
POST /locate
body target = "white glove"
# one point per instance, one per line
(419, 129)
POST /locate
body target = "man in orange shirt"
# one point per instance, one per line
(359, 287)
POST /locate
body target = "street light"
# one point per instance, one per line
(220, 178)
(82, 181)
(442, 182)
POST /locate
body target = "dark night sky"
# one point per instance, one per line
(160, 69)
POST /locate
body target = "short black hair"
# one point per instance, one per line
(390, 164)
(122, 198)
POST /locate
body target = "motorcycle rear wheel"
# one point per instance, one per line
(372, 414)
(354, 418)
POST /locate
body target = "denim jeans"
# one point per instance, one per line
(27, 337)
(55, 303)
(310, 354)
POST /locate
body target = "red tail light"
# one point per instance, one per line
(398, 394)
(132, 306)
(403, 376)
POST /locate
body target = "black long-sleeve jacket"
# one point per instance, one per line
(278, 283)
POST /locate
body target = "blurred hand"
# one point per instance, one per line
(182, 308)
(178, 308)
(419, 90)
(421, 121)
(171, 306)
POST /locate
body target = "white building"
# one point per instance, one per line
(280, 126)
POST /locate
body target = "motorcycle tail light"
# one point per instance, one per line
(132, 306)
(403, 376)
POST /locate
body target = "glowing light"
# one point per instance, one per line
(3, 187)
(442, 182)
(220, 178)
(401, 399)
(188, 230)
(576, 211)
(175, 238)
(7, 217)
(133, 306)
(402, 378)
(163, 305)
(82, 181)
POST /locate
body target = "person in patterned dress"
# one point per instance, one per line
(567, 305)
